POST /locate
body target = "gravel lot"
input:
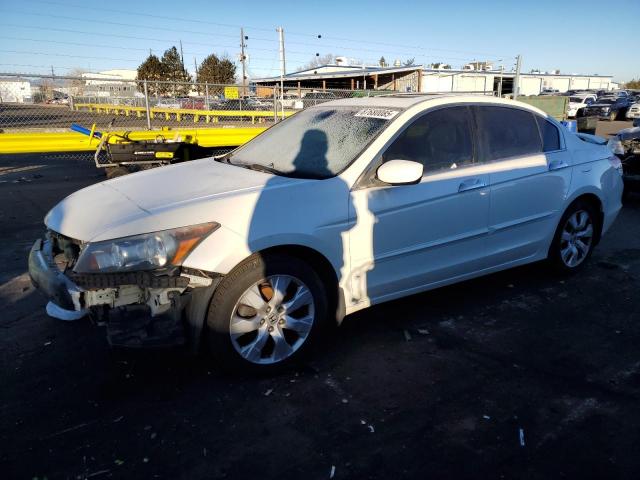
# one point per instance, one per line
(520, 374)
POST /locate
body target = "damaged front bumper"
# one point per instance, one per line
(138, 308)
(45, 275)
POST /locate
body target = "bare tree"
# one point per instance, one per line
(319, 60)
(76, 85)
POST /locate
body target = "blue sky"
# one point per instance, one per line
(35, 35)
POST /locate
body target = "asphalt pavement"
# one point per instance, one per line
(520, 374)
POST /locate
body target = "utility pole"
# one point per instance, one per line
(516, 83)
(364, 76)
(283, 69)
(243, 59)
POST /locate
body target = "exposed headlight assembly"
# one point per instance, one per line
(148, 251)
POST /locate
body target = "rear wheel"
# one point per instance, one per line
(267, 313)
(575, 237)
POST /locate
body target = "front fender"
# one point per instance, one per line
(224, 249)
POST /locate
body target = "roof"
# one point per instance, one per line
(346, 71)
(404, 101)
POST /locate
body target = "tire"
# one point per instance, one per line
(567, 253)
(247, 327)
(113, 172)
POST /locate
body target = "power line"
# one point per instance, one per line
(21, 52)
(150, 39)
(342, 39)
(105, 22)
(57, 42)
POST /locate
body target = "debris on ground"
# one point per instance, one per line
(268, 392)
(423, 331)
(407, 335)
(332, 473)
(521, 437)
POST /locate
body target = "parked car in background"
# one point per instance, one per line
(59, 101)
(609, 108)
(191, 103)
(310, 99)
(626, 145)
(241, 104)
(288, 101)
(577, 102)
(342, 206)
(550, 91)
(634, 110)
(173, 103)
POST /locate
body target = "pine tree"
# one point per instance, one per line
(151, 70)
(216, 70)
(382, 62)
(174, 71)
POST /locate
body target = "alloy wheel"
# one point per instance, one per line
(576, 238)
(272, 319)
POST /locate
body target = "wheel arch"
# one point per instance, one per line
(322, 266)
(593, 199)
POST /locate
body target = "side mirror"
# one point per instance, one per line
(400, 172)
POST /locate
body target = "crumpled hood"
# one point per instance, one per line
(157, 199)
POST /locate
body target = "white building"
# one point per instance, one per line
(465, 80)
(15, 90)
(110, 83)
(440, 78)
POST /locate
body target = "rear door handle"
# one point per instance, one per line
(471, 184)
(558, 165)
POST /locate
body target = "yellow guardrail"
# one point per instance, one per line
(178, 113)
(29, 142)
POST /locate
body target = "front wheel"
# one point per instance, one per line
(266, 313)
(575, 237)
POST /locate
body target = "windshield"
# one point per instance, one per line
(317, 142)
(576, 99)
(606, 100)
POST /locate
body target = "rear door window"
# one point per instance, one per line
(549, 133)
(505, 132)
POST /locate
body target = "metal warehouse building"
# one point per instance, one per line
(15, 90)
(415, 78)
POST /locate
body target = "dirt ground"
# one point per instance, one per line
(520, 374)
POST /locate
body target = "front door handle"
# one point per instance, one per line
(558, 165)
(471, 184)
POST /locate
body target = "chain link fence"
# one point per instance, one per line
(53, 104)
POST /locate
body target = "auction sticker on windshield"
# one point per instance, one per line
(383, 113)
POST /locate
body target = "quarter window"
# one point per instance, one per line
(550, 135)
(440, 140)
(507, 132)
